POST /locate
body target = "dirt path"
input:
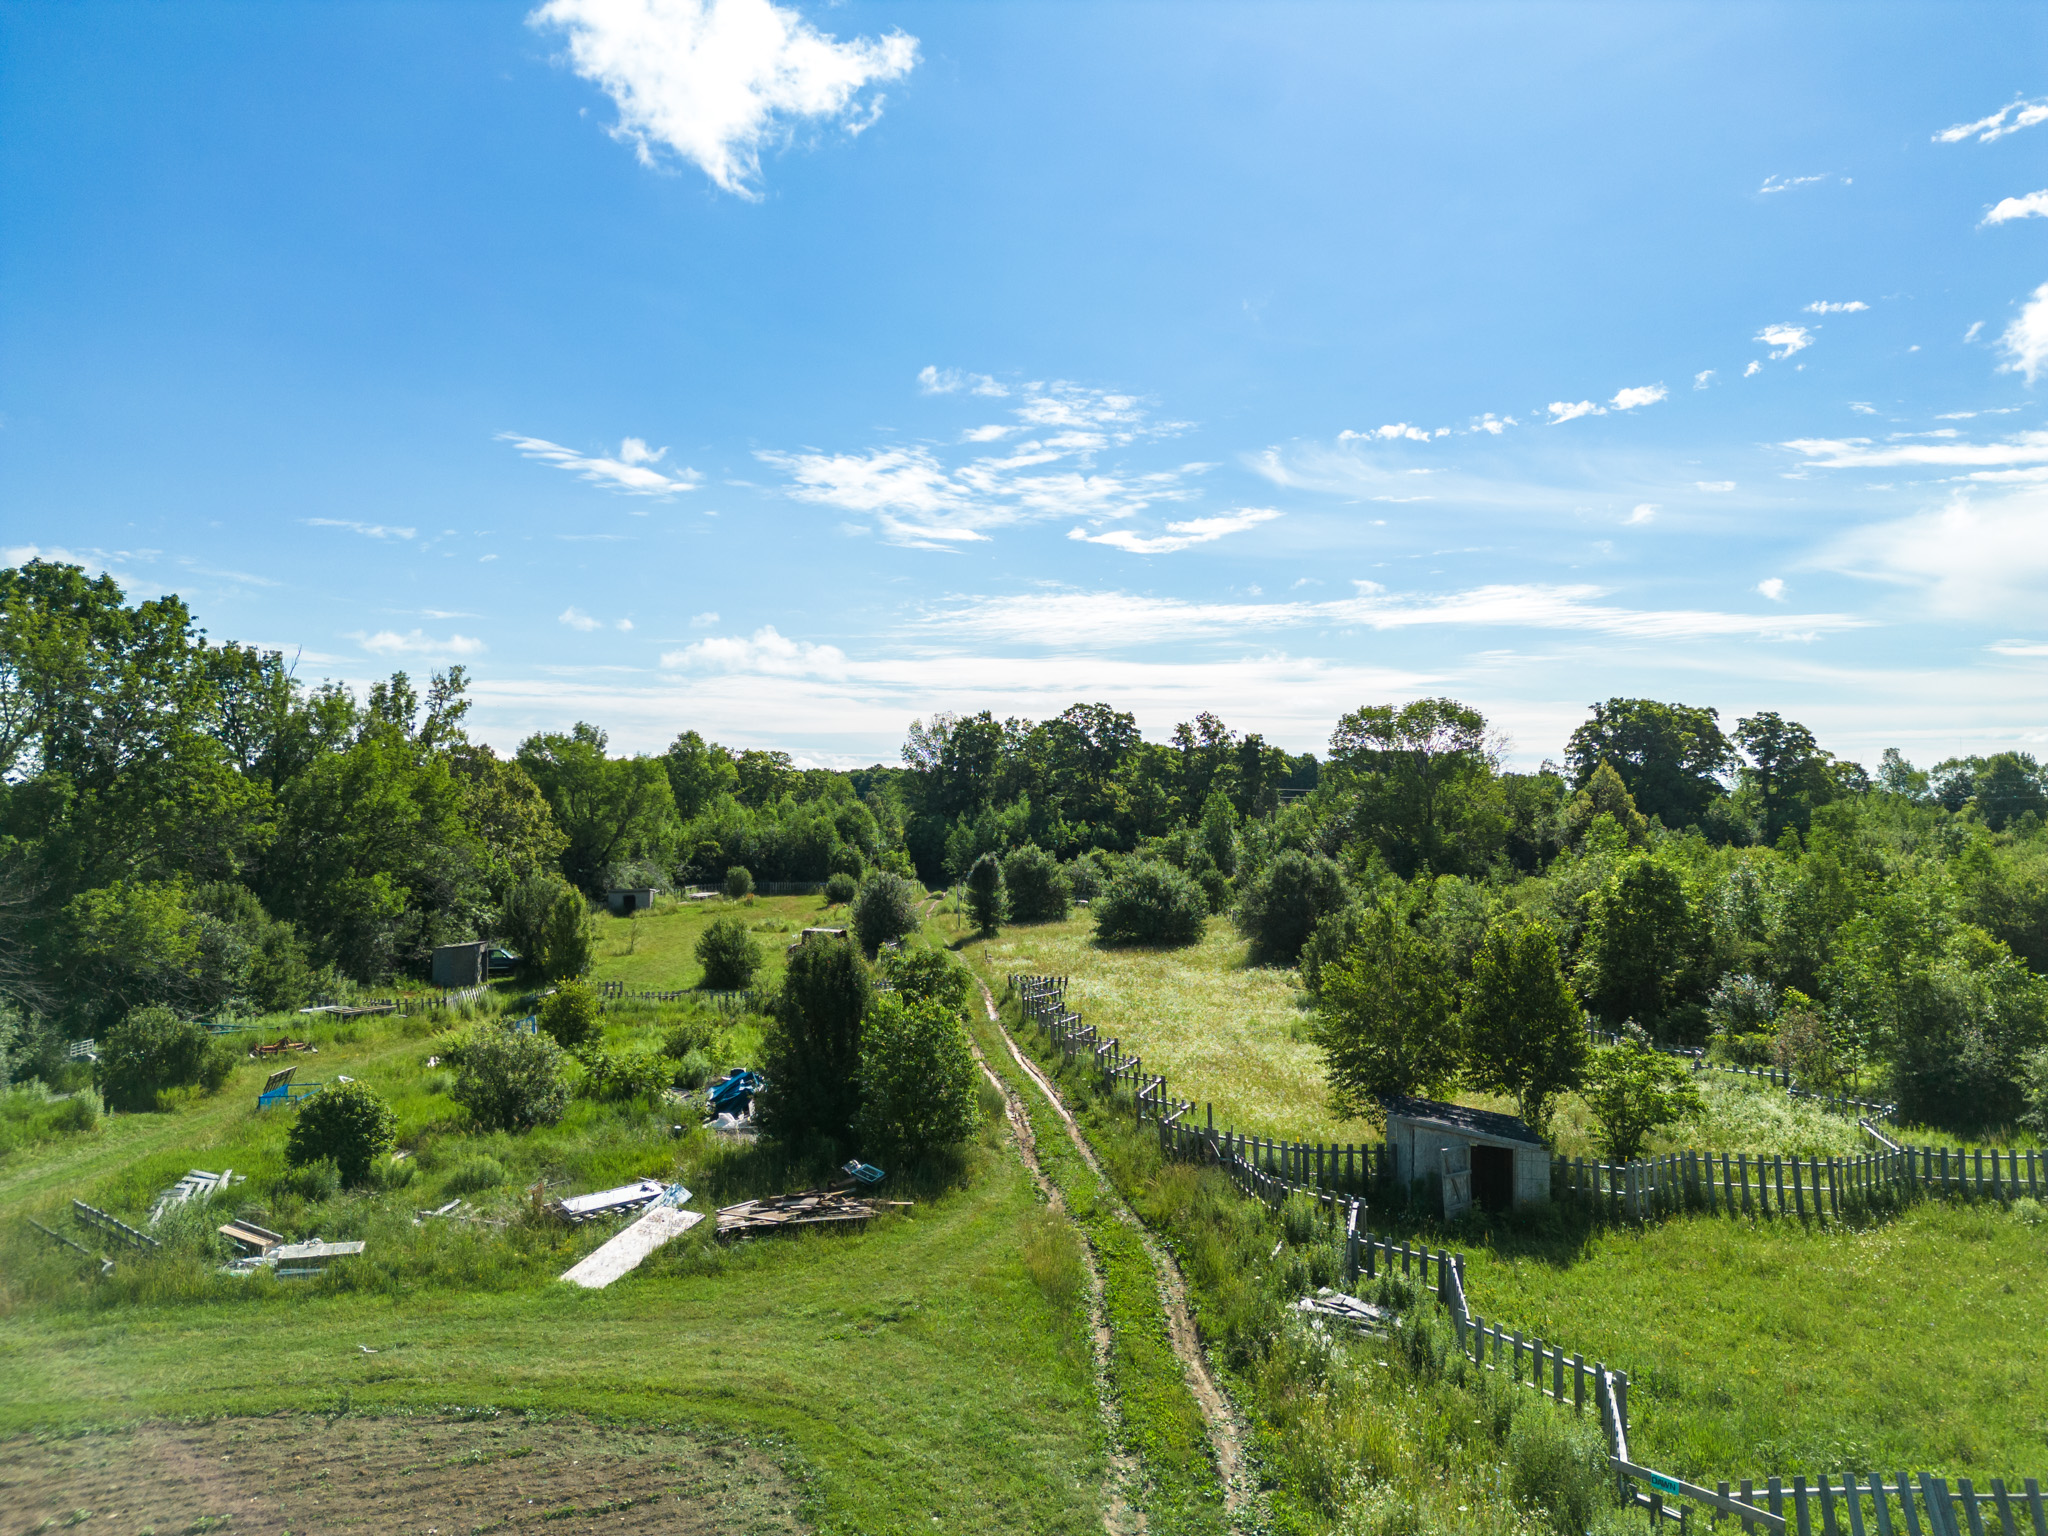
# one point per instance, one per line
(1226, 1430)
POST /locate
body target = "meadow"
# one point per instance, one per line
(657, 948)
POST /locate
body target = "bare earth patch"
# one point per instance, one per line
(307, 1476)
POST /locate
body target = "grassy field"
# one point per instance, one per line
(864, 1363)
(657, 948)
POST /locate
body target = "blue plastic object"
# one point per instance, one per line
(864, 1173)
(735, 1091)
(287, 1093)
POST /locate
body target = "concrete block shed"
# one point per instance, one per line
(1474, 1156)
(630, 899)
(462, 965)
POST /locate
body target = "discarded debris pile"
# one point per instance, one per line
(787, 1213)
(197, 1185)
(662, 1221)
(608, 1202)
(281, 1045)
(251, 1240)
(734, 1093)
(112, 1226)
(1344, 1309)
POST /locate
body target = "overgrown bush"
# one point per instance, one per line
(1151, 902)
(729, 955)
(739, 883)
(884, 911)
(346, 1124)
(841, 888)
(1039, 888)
(1633, 1092)
(571, 1017)
(619, 1079)
(1279, 908)
(917, 1079)
(688, 1038)
(2034, 1087)
(511, 1081)
(473, 1175)
(1085, 878)
(928, 975)
(551, 926)
(812, 1053)
(151, 1051)
(987, 900)
(1558, 1464)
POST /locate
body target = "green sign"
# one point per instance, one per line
(1664, 1484)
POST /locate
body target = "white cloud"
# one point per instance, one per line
(2017, 648)
(933, 380)
(1561, 412)
(1492, 424)
(2025, 341)
(1182, 535)
(1823, 307)
(924, 501)
(367, 530)
(388, 642)
(1642, 394)
(703, 620)
(1787, 183)
(1715, 485)
(766, 651)
(1391, 431)
(1969, 559)
(716, 81)
(623, 624)
(1861, 453)
(1644, 512)
(995, 432)
(1786, 339)
(576, 618)
(1862, 407)
(1703, 378)
(1772, 587)
(2008, 119)
(1753, 368)
(2033, 206)
(632, 472)
(1971, 334)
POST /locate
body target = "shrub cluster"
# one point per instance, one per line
(511, 1081)
(729, 955)
(1151, 902)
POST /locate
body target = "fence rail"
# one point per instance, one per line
(1271, 1171)
(731, 1003)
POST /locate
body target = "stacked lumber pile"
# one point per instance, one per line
(787, 1213)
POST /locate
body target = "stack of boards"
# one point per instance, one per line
(812, 1208)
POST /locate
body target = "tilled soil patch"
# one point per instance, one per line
(309, 1476)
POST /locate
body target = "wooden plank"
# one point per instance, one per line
(1968, 1493)
(2005, 1518)
(1663, 1482)
(1855, 1501)
(1912, 1516)
(1827, 1494)
(1884, 1514)
(623, 1253)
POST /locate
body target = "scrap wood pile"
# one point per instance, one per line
(786, 1213)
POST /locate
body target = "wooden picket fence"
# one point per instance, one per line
(729, 1003)
(1853, 1504)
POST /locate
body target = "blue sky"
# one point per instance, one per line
(789, 372)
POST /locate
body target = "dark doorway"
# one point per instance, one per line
(1493, 1178)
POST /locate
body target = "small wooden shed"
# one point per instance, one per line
(630, 899)
(1474, 1156)
(462, 965)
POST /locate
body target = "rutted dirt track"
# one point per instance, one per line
(313, 1476)
(1226, 1432)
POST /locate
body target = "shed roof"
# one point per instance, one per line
(1456, 1117)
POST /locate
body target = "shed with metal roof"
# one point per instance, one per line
(1472, 1156)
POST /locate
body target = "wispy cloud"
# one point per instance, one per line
(1391, 432)
(576, 618)
(2025, 342)
(1787, 183)
(716, 81)
(1117, 619)
(1703, 378)
(2007, 119)
(1975, 556)
(367, 530)
(1753, 369)
(389, 642)
(1824, 307)
(1942, 453)
(632, 472)
(1181, 535)
(1715, 485)
(703, 620)
(924, 500)
(1642, 394)
(2033, 206)
(765, 651)
(934, 380)
(1562, 411)
(1784, 340)
(1644, 512)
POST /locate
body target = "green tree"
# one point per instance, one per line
(812, 1053)
(1524, 1032)
(840, 889)
(928, 975)
(127, 945)
(1279, 908)
(1604, 794)
(550, 924)
(151, 1051)
(1039, 891)
(1151, 902)
(345, 1123)
(885, 911)
(613, 810)
(1785, 772)
(917, 1080)
(698, 773)
(1640, 955)
(507, 815)
(739, 883)
(1386, 1021)
(572, 1016)
(1670, 756)
(509, 1080)
(2009, 785)
(987, 900)
(1219, 831)
(729, 955)
(1634, 1091)
(1419, 783)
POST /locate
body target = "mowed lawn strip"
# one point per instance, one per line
(657, 949)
